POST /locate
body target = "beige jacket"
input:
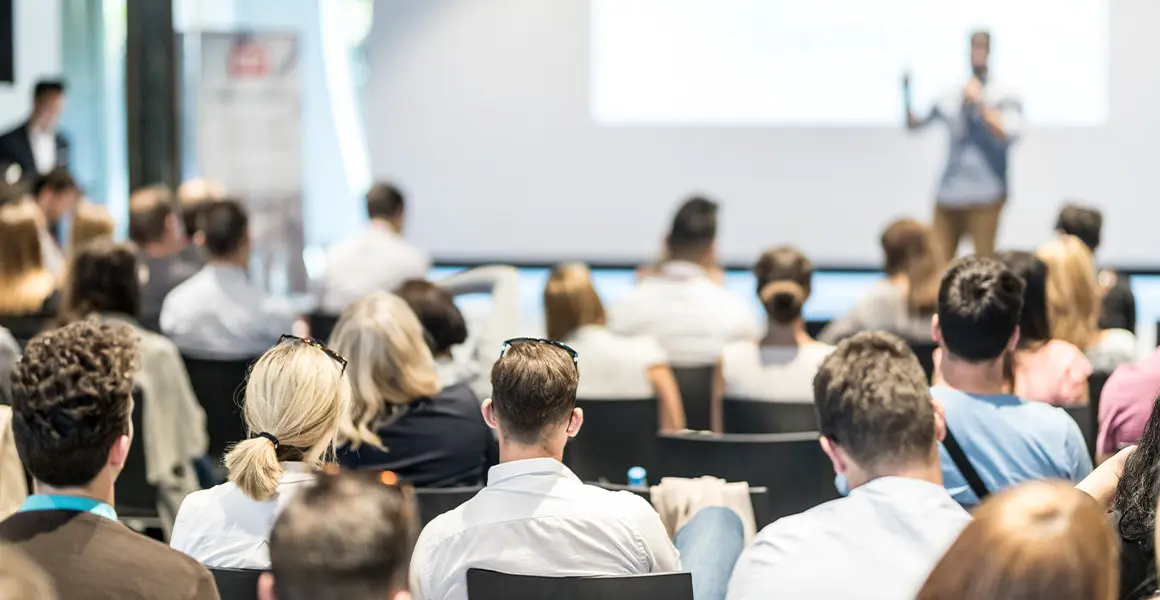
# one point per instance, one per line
(12, 485)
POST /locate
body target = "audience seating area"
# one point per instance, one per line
(236, 584)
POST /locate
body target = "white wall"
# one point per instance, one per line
(37, 55)
(480, 110)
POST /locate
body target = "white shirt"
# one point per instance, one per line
(218, 314)
(223, 528)
(43, 149)
(614, 367)
(880, 542)
(536, 518)
(772, 373)
(51, 253)
(376, 259)
(690, 315)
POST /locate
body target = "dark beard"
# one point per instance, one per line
(981, 73)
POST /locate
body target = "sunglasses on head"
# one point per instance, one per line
(317, 344)
(564, 347)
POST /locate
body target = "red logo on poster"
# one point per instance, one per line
(248, 59)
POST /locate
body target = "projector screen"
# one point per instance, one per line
(539, 131)
(838, 62)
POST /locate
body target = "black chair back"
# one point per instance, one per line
(490, 585)
(617, 435)
(136, 497)
(436, 501)
(791, 466)
(219, 386)
(815, 328)
(696, 385)
(236, 584)
(925, 353)
(756, 416)
(758, 497)
(1084, 417)
(25, 328)
(321, 326)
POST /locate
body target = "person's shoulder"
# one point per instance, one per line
(140, 550)
(791, 531)
(13, 132)
(459, 394)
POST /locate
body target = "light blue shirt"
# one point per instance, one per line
(218, 314)
(1009, 440)
(77, 503)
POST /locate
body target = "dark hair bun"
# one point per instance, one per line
(783, 300)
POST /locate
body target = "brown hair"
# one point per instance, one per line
(384, 201)
(149, 211)
(194, 196)
(533, 389)
(1038, 540)
(873, 400)
(783, 282)
(909, 250)
(91, 222)
(347, 536)
(24, 282)
(443, 324)
(1073, 294)
(104, 277)
(571, 301)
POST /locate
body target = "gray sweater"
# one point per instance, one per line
(883, 308)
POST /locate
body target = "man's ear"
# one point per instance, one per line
(401, 595)
(935, 330)
(266, 586)
(119, 453)
(488, 410)
(1013, 343)
(940, 420)
(837, 456)
(575, 422)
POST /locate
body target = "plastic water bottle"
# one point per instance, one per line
(637, 477)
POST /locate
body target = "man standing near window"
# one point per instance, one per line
(36, 146)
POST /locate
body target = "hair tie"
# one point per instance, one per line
(269, 436)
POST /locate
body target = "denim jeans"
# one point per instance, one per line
(710, 544)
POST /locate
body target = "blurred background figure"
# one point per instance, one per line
(21, 579)
(1086, 223)
(36, 146)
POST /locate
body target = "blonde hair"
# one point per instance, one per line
(296, 393)
(571, 301)
(909, 249)
(1073, 295)
(1037, 540)
(390, 363)
(22, 579)
(91, 222)
(24, 281)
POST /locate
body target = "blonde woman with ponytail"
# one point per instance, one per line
(401, 418)
(295, 395)
(781, 366)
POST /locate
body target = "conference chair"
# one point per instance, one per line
(925, 353)
(696, 385)
(791, 466)
(436, 501)
(756, 416)
(491, 585)
(815, 328)
(758, 497)
(24, 328)
(617, 435)
(236, 584)
(322, 325)
(219, 387)
(136, 497)
(1082, 415)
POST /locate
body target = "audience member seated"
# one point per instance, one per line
(155, 226)
(1134, 513)
(13, 486)
(400, 419)
(103, 284)
(1004, 438)
(1073, 300)
(27, 286)
(1119, 303)
(615, 367)
(1038, 541)
(881, 430)
(367, 530)
(218, 314)
(1045, 369)
(21, 579)
(56, 194)
(463, 356)
(9, 356)
(683, 306)
(535, 517)
(781, 367)
(904, 301)
(378, 259)
(72, 398)
(1127, 401)
(193, 197)
(91, 222)
(295, 395)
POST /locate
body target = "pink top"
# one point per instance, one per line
(1056, 373)
(1126, 403)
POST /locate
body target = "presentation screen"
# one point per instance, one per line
(838, 62)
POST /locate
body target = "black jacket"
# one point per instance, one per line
(16, 148)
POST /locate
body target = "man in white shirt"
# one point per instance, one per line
(36, 147)
(378, 259)
(689, 313)
(537, 518)
(880, 427)
(57, 194)
(218, 314)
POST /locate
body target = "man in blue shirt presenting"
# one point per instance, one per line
(983, 119)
